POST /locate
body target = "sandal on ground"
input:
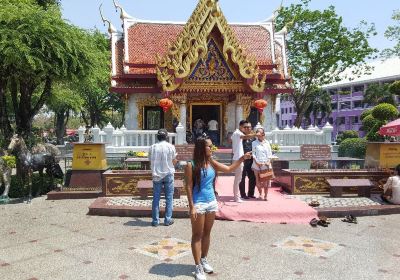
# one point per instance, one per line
(314, 203)
(325, 219)
(314, 222)
(350, 219)
(322, 223)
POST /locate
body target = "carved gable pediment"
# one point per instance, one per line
(213, 68)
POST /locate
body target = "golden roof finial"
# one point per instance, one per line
(111, 28)
(123, 14)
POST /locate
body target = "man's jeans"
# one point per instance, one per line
(168, 183)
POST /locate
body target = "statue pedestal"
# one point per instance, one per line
(382, 154)
(85, 179)
(88, 163)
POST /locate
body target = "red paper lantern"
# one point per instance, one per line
(260, 104)
(166, 104)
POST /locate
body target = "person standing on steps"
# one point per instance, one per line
(247, 171)
(237, 149)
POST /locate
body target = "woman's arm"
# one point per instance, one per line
(225, 168)
(189, 184)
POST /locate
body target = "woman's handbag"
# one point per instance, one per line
(266, 174)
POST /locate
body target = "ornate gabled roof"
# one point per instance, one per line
(191, 45)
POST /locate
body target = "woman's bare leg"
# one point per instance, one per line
(197, 235)
(205, 241)
(257, 175)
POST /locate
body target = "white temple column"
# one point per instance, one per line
(131, 114)
(239, 114)
(182, 120)
(269, 115)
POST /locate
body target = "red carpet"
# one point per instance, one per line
(277, 210)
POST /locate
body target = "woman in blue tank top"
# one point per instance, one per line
(200, 177)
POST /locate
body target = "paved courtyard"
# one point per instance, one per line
(57, 240)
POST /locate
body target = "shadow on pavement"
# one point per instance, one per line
(172, 270)
(138, 223)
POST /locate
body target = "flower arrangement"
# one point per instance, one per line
(10, 161)
(275, 148)
(141, 154)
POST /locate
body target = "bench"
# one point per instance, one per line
(337, 185)
(145, 188)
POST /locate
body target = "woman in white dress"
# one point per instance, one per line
(392, 188)
(262, 154)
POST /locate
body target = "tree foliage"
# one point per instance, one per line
(346, 135)
(38, 48)
(353, 147)
(393, 34)
(320, 48)
(377, 94)
(321, 106)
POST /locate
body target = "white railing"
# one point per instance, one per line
(122, 137)
(298, 136)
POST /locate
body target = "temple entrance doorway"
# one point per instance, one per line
(206, 118)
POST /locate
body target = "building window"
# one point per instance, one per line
(357, 104)
(290, 110)
(153, 118)
(345, 105)
(358, 88)
(331, 120)
(334, 106)
(333, 91)
(290, 123)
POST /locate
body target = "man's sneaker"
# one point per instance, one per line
(199, 273)
(238, 200)
(171, 222)
(206, 266)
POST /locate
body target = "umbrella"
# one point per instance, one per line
(391, 129)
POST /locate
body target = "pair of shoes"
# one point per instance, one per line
(171, 222)
(265, 198)
(314, 222)
(314, 203)
(245, 197)
(206, 266)
(350, 219)
(238, 200)
(199, 273)
(153, 224)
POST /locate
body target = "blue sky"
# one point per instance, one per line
(86, 13)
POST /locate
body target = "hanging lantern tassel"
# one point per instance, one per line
(260, 104)
(166, 104)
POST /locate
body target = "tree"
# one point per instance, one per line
(393, 34)
(320, 48)
(377, 94)
(373, 119)
(63, 101)
(94, 89)
(37, 48)
(321, 105)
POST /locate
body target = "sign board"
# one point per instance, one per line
(389, 155)
(89, 156)
(315, 152)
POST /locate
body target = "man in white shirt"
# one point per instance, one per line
(237, 149)
(162, 156)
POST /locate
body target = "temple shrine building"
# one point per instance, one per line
(210, 69)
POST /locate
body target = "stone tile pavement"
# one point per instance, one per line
(57, 240)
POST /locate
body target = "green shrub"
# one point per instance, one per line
(368, 123)
(17, 189)
(384, 112)
(395, 88)
(365, 113)
(373, 135)
(10, 161)
(345, 135)
(353, 147)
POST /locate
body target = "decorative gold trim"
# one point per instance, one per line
(141, 103)
(191, 45)
(246, 103)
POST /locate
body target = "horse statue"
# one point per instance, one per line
(42, 156)
(5, 177)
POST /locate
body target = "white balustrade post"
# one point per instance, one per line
(81, 131)
(109, 130)
(180, 134)
(123, 137)
(258, 125)
(182, 120)
(96, 134)
(327, 132)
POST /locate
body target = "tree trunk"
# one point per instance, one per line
(5, 125)
(60, 127)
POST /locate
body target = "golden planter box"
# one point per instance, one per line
(89, 156)
(382, 155)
